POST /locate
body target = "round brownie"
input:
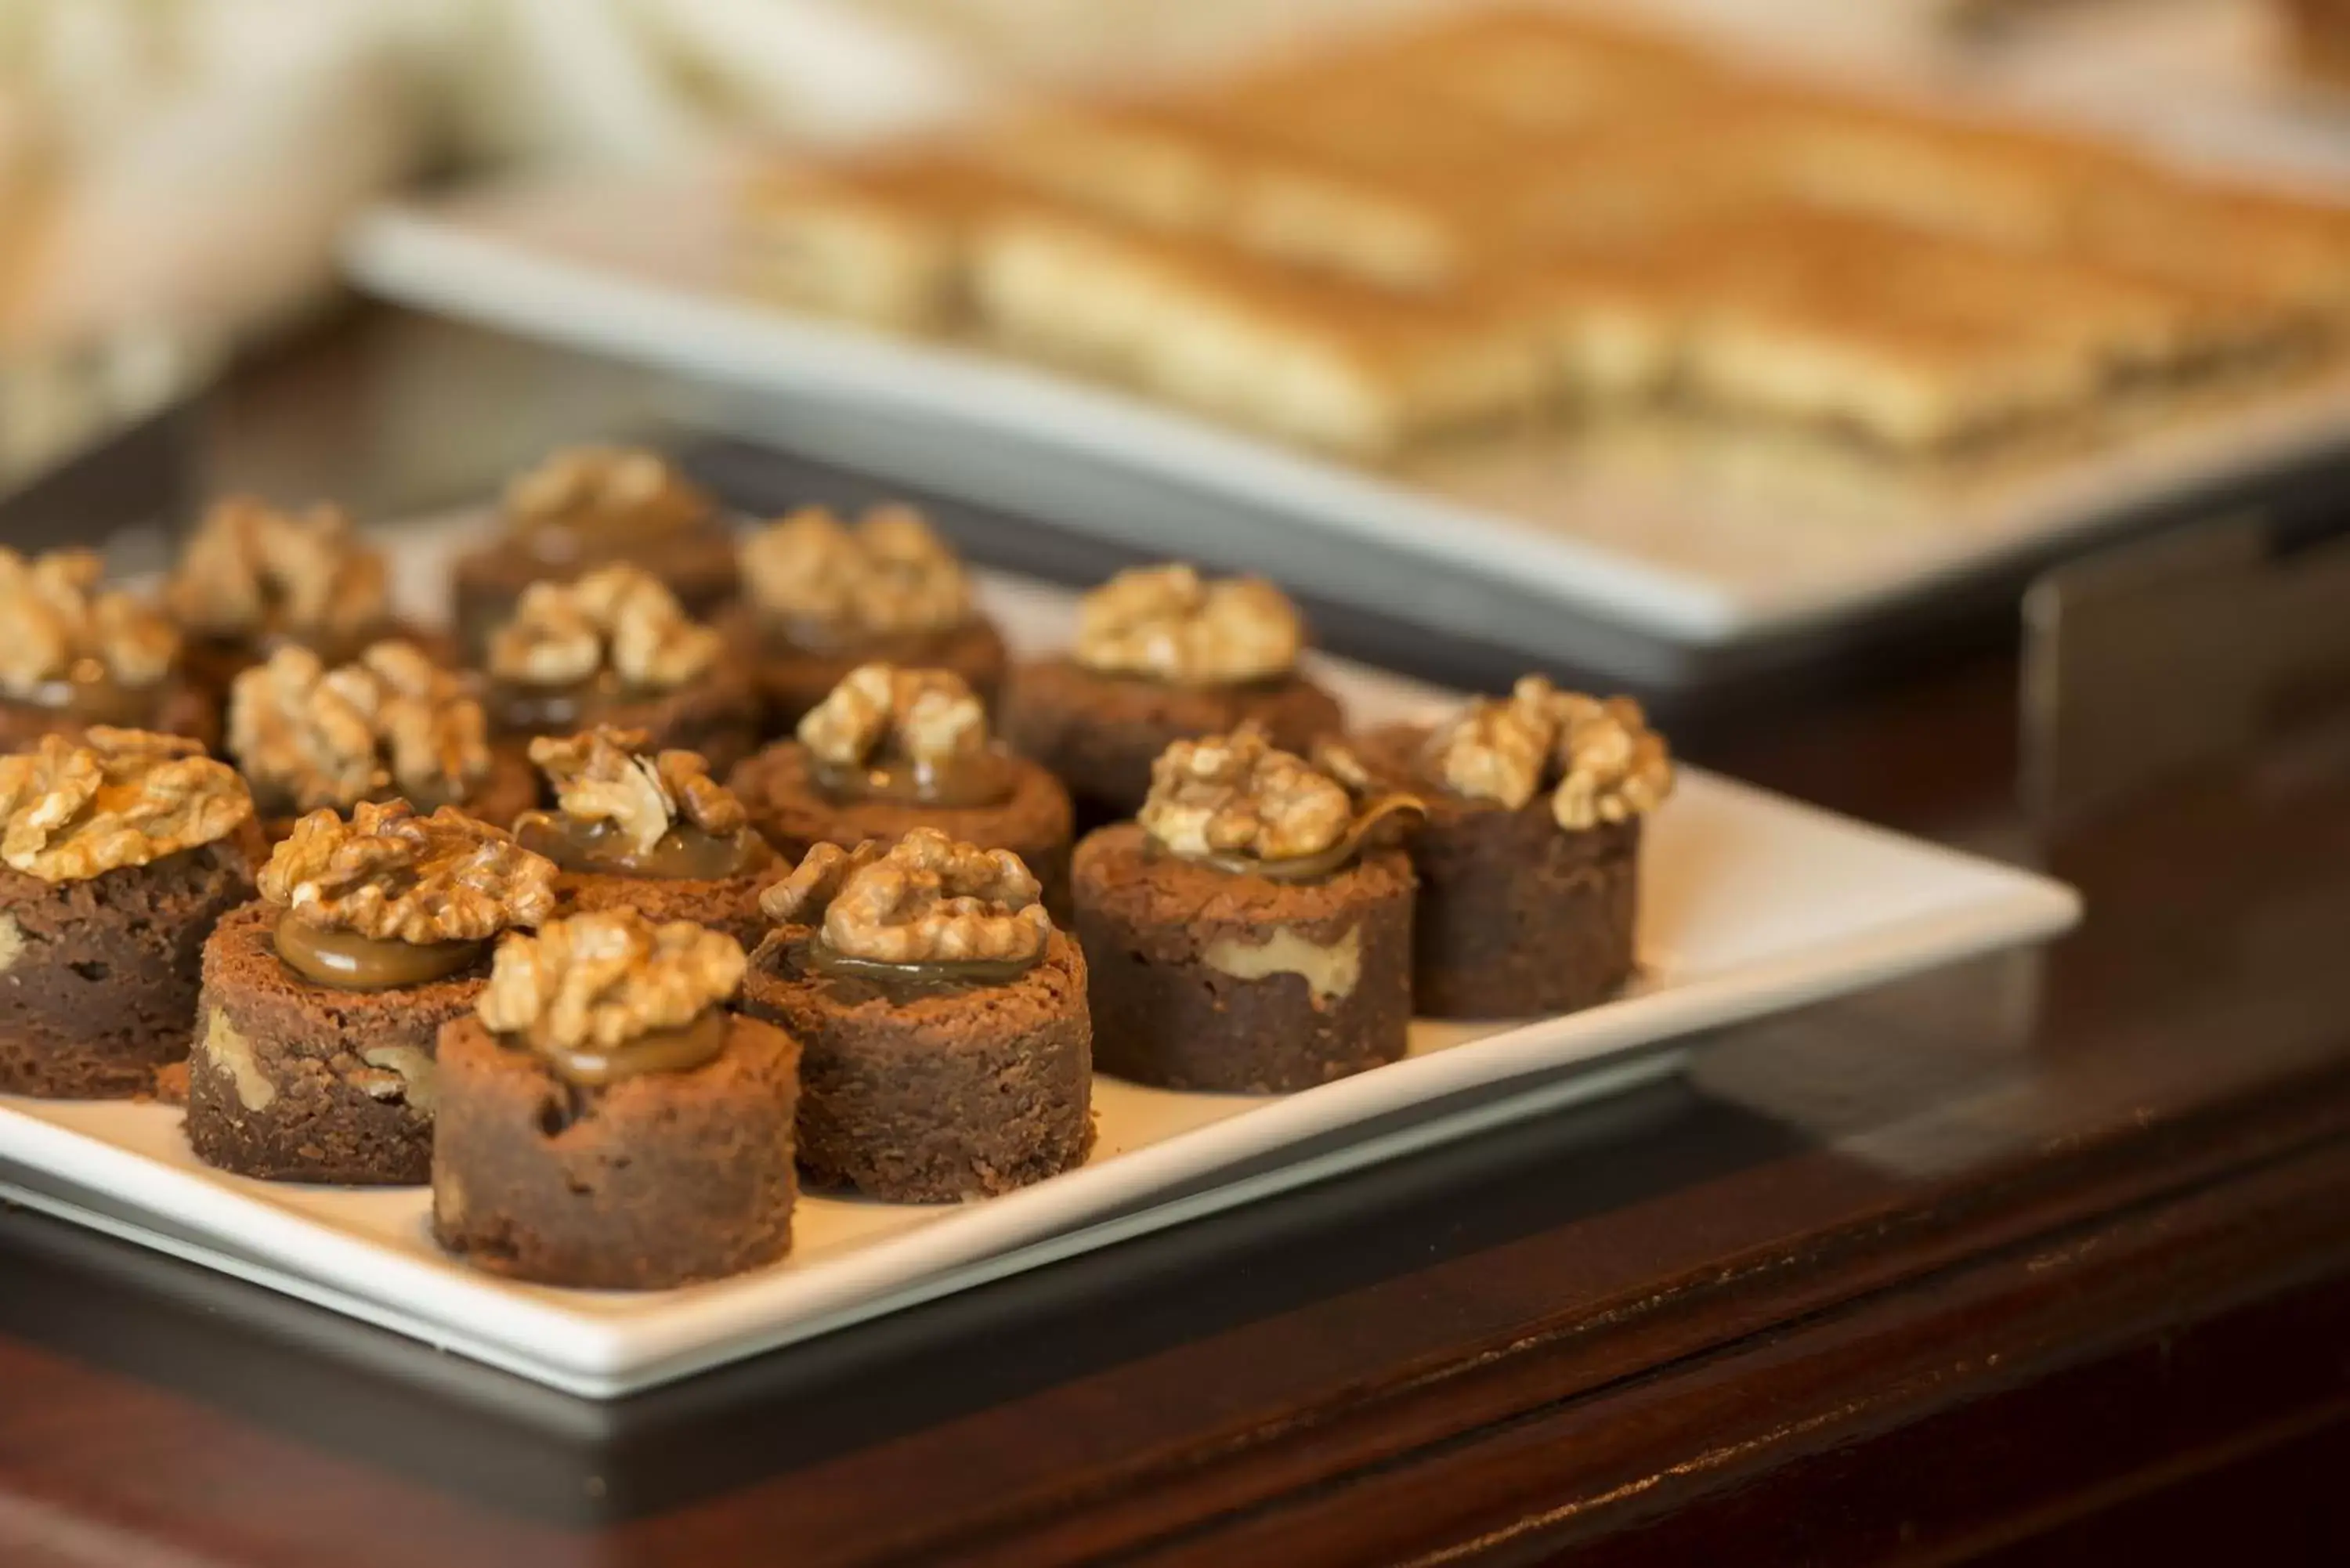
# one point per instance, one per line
(929, 1096)
(716, 715)
(212, 664)
(295, 1081)
(697, 564)
(778, 788)
(179, 707)
(728, 904)
(658, 1181)
(1232, 982)
(99, 977)
(505, 792)
(1518, 917)
(1100, 734)
(792, 679)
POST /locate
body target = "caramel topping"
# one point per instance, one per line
(519, 710)
(1314, 866)
(683, 854)
(902, 980)
(592, 1064)
(956, 783)
(348, 962)
(90, 692)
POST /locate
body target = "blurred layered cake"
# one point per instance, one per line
(1521, 214)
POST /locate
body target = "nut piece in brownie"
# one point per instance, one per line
(1528, 862)
(647, 830)
(321, 1004)
(615, 648)
(1163, 655)
(390, 725)
(254, 578)
(1252, 932)
(892, 749)
(77, 654)
(820, 598)
(949, 1053)
(605, 1120)
(121, 850)
(593, 507)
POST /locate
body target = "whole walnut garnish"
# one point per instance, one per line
(619, 616)
(1239, 795)
(921, 715)
(1616, 767)
(605, 774)
(1170, 624)
(56, 619)
(73, 809)
(390, 875)
(1608, 764)
(328, 738)
(891, 574)
(928, 900)
(604, 487)
(251, 567)
(607, 978)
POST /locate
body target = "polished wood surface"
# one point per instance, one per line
(2042, 1259)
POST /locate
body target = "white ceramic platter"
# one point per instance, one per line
(1659, 549)
(1751, 903)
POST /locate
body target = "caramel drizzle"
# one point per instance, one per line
(981, 778)
(931, 974)
(680, 1050)
(348, 962)
(1321, 862)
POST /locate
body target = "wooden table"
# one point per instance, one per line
(2042, 1259)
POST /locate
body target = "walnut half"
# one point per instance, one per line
(57, 618)
(389, 874)
(318, 738)
(601, 487)
(605, 774)
(251, 567)
(889, 575)
(608, 977)
(1608, 764)
(1170, 624)
(927, 899)
(617, 617)
(922, 715)
(1240, 795)
(76, 809)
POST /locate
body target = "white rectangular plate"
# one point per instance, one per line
(1751, 903)
(1691, 545)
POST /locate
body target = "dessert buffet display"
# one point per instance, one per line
(1642, 354)
(613, 945)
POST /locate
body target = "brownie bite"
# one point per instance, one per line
(645, 830)
(606, 1122)
(322, 1003)
(1250, 933)
(391, 725)
(1529, 858)
(820, 599)
(121, 851)
(1163, 656)
(596, 506)
(892, 749)
(614, 648)
(947, 1048)
(252, 578)
(77, 654)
